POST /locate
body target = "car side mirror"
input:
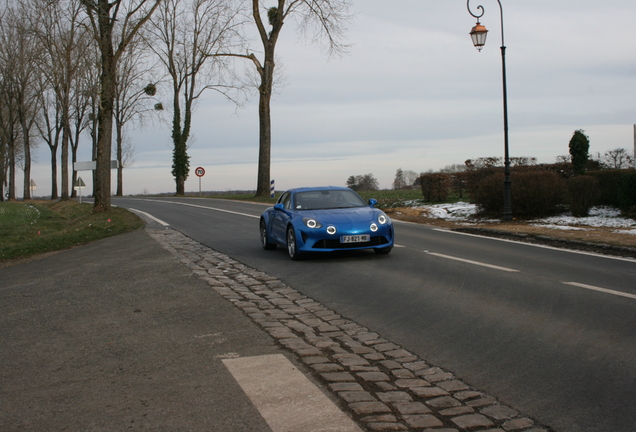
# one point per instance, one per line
(279, 206)
(372, 202)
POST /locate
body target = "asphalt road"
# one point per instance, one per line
(550, 332)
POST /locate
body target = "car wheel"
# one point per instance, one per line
(383, 251)
(292, 246)
(264, 240)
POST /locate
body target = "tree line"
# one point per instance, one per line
(75, 71)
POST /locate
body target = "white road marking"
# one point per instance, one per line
(472, 262)
(580, 252)
(603, 290)
(204, 207)
(286, 399)
(149, 216)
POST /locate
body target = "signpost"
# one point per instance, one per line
(88, 166)
(272, 189)
(200, 172)
(78, 186)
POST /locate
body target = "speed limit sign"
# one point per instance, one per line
(200, 172)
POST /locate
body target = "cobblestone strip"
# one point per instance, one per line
(385, 387)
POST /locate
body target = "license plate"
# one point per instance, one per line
(355, 238)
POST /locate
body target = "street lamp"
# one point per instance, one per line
(478, 35)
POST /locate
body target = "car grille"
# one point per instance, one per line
(335, 243)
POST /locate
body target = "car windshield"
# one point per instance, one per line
(327, 199)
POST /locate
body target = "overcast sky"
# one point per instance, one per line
(413, 93)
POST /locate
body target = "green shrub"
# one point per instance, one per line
(583, 193)
(534, 194)
(487, 194)
(435, 186)
(579, 148)
(627, 192)
(609, 182)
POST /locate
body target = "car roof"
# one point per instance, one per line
(317, 188)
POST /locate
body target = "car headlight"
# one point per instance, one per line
(374, 227)
(383, 219)
(312, 223)
(331, 230)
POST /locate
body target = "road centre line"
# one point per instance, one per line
(149, 216)
(472, 262)
(603, 290)
(285, 398)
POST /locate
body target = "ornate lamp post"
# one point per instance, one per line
(478, 35)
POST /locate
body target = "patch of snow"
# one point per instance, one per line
(599, 217)
(632, 231)
(561, 227)
(455, 211)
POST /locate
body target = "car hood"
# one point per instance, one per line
(340, 216)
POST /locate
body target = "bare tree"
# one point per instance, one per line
(321, 20)
(83, 95)
(187, 33)
(62, 36)
(132, 102)
(12, 96)
(398, 182)
(24, 52)
(366, 182)
(104, 15)
(454, 168)
(49, 127)
(563, 159)
(619, 158)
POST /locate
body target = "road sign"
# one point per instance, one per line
(78, 186)
(200, 172)
(79, 183)
(92, 165)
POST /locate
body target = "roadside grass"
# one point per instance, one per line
(34, 227)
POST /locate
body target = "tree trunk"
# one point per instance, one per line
(12, 170)
(265, 145)
(64, 160)
(180, 158)
(265, 122)
(120, 165)
(104, 142)
(54, 173)
(74, 178)
(27, 165)
(105, 113)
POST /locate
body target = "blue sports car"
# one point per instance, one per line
(325, 219)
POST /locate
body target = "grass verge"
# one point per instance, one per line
(34, 227)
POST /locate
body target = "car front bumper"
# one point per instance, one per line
(318, 240)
